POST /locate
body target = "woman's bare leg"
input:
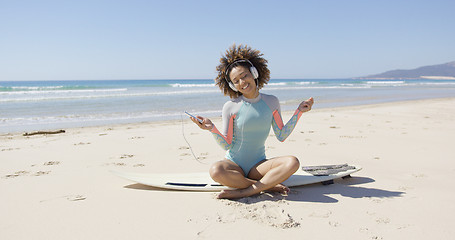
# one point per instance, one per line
(269, 174)
(229, 174)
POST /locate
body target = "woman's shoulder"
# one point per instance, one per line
(233, 101)
(232, 105)
(272, 101)
(269, 98)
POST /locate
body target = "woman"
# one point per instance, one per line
(247, 119)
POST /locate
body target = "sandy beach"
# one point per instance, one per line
(60, 186)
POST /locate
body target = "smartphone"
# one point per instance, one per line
(193, 116)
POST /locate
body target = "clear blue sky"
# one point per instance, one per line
(145, 39)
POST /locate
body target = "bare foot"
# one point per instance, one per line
(232, 194)
(280, 188)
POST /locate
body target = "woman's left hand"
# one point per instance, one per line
(305, 106)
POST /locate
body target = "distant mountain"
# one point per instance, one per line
(441, 71)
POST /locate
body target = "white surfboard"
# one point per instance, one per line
(201, 181)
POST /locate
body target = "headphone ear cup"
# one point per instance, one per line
(231, 85)
(254, 72)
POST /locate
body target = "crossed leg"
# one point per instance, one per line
(266, 175)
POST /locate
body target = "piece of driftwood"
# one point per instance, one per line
(43, 132)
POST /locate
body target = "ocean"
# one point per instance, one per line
(46, 105)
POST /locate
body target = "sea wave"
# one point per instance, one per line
(386, 83)
(291, 83)
(34, 88)
(35, 92)
(56, 97)
(84, 118)
(318, 87)
(187, 85)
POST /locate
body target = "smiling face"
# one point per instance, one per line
(243, 80)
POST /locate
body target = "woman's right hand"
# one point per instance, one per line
(205, 125)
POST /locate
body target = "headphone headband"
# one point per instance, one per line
(252, 69)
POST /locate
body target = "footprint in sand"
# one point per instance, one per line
(17, 174)
(119, 164)
(51, 163)
(9, 149)
(76, 198)
(382, 220)
(404, 188)
(321, 214)
(334, 224)
(352, 137)
(377, 200)
(72, 198)
(132, 138)
(419, 175)
(268, 213)
(41, 173)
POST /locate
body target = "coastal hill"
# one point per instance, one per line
(440, 71)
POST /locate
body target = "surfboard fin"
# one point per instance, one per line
(329, 182)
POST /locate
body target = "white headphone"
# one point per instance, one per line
(253, 71)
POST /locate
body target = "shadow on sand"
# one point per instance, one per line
(312, 193)
(320, 193)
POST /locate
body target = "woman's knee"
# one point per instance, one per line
(216, 170)
(219, 170)
(293, 163)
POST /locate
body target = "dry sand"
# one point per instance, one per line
(60, 187)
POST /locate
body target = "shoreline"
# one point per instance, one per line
(175, 121)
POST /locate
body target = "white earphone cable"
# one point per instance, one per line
(189, 146)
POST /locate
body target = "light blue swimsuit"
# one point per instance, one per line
(246, 126)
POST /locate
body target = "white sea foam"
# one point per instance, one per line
(102, 118)
(306, 83)
(277, 84)
(36, 87)
(184, 85)
(386, 83)
(434, 83)
(290, 83)
(35, 92)
(317, 87)
(114, 94)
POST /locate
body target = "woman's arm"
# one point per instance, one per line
(225, 141)
(225, 136)
(283, 131)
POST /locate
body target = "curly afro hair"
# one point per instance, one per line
(233, 54)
